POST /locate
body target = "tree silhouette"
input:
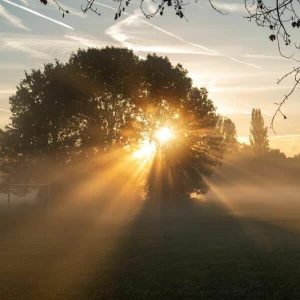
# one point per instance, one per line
(68, 111)
(227, 130)
(109, 101)
(258, 133)
(44, 116)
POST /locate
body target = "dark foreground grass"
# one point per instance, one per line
(186, 250)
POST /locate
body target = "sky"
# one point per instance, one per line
(230, 56)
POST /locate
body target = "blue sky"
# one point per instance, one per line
(230, 56)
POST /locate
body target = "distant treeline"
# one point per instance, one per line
(271, 168)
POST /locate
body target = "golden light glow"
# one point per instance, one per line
(146, 149)
(164, 134)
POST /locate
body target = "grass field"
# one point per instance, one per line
(234, 243)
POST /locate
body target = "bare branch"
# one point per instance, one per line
(277, 17)
(65, 11)
(296, 71)
(89, 6)
(217, 10)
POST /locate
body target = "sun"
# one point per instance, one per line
(164, 134)
(146, 148)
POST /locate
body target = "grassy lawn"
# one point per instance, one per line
(212, 248)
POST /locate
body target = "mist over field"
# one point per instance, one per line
(240, 240)
(261, 191)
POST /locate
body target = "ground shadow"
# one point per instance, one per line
(184, 250)
(200, 251)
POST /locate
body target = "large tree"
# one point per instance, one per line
(258, 133)
(105, 101)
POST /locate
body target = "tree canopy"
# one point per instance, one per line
(108, 101)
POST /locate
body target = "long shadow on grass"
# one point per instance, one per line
(171, 250)
(194, 250)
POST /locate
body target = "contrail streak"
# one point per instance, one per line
(181, 39)
(38, 14)
(263, 112)
(245, 63)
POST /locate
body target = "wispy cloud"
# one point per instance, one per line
(44, 48)
(24, 2)
(5, 110)
(25, 47)
(262, 56)
(229, 7)
(240, 89)
(117, 33)
(38, 14)
(38, 46)
(12, 19)
(86, 41)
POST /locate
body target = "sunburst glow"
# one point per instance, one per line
(164, 134)
(146, 149)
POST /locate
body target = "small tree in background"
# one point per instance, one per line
(259, 141)
(227, 131)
